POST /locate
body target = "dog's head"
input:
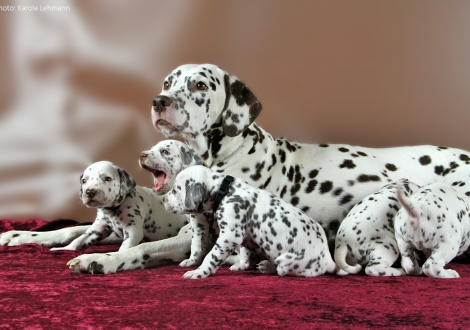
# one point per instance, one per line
(191, 192)
(103, 184)
(165, 160)
(196, 98)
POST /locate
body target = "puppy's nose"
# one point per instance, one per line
(161, 102)
(143, 155)
(90, 193)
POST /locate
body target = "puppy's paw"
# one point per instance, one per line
(189, 263)
(16, 237)
(450, 273)
(81, 264)
(410, 267)
(384, 270)
(240, 266)
(441, 273)
(267, 267)
(195, 274)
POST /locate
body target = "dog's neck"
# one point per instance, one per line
(221, 191)
(215, 147)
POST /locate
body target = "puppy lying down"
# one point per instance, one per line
(436, 221)
(133, 213)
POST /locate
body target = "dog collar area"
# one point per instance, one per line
(223, 190)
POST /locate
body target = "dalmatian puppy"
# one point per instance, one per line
(366, 237)
(434, 220)
(165, 160)
(130, 211)
(215, 114)
(291, 241)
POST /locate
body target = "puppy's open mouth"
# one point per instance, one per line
(159, 178)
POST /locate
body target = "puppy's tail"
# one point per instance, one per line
(341, 252)
(412, 209)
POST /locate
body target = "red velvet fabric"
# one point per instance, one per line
(37, 290)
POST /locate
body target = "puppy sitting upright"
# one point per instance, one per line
(293, 243)
(434, 220)
(130, 211)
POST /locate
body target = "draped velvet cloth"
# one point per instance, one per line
(37, 290)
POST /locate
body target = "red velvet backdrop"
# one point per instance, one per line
(37, 290)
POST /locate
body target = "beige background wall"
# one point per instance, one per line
(76, 86)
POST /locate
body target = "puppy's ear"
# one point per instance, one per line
(127, 183)
(81, 190)
(189, 157)
(194, 198)
(241, 107)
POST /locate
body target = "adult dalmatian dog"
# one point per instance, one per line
(292, 242)
(215, 112)
(131, 212)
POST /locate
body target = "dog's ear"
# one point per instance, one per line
(241, 107)
(81, 190)
(127, 183)
(189, 157)
(194, 198)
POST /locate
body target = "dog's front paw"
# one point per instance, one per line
(267, 267)
(450, 273)
(240, 266)
(441, 273)
(82, 264)
(195, 274)
(410, 267)
(15, 237)
(190, 263)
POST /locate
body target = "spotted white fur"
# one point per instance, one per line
(214, 113)
(436, 221)
(129, 211)
(291, 241)
(366, 237)
(165, 160)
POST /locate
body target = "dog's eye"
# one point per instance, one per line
(201, 86)
(166, 85)
(165, 152)
(83, 181)
(108, 178)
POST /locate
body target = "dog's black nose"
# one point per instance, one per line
(161, 102)
(90, 193)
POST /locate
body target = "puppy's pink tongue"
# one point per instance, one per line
(159, 178)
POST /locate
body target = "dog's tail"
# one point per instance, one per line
(344, 268)
(412, 209)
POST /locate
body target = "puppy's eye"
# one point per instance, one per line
(165, 152)
(166, 85)
(108, 178)
(201, 86)
(83, 181)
